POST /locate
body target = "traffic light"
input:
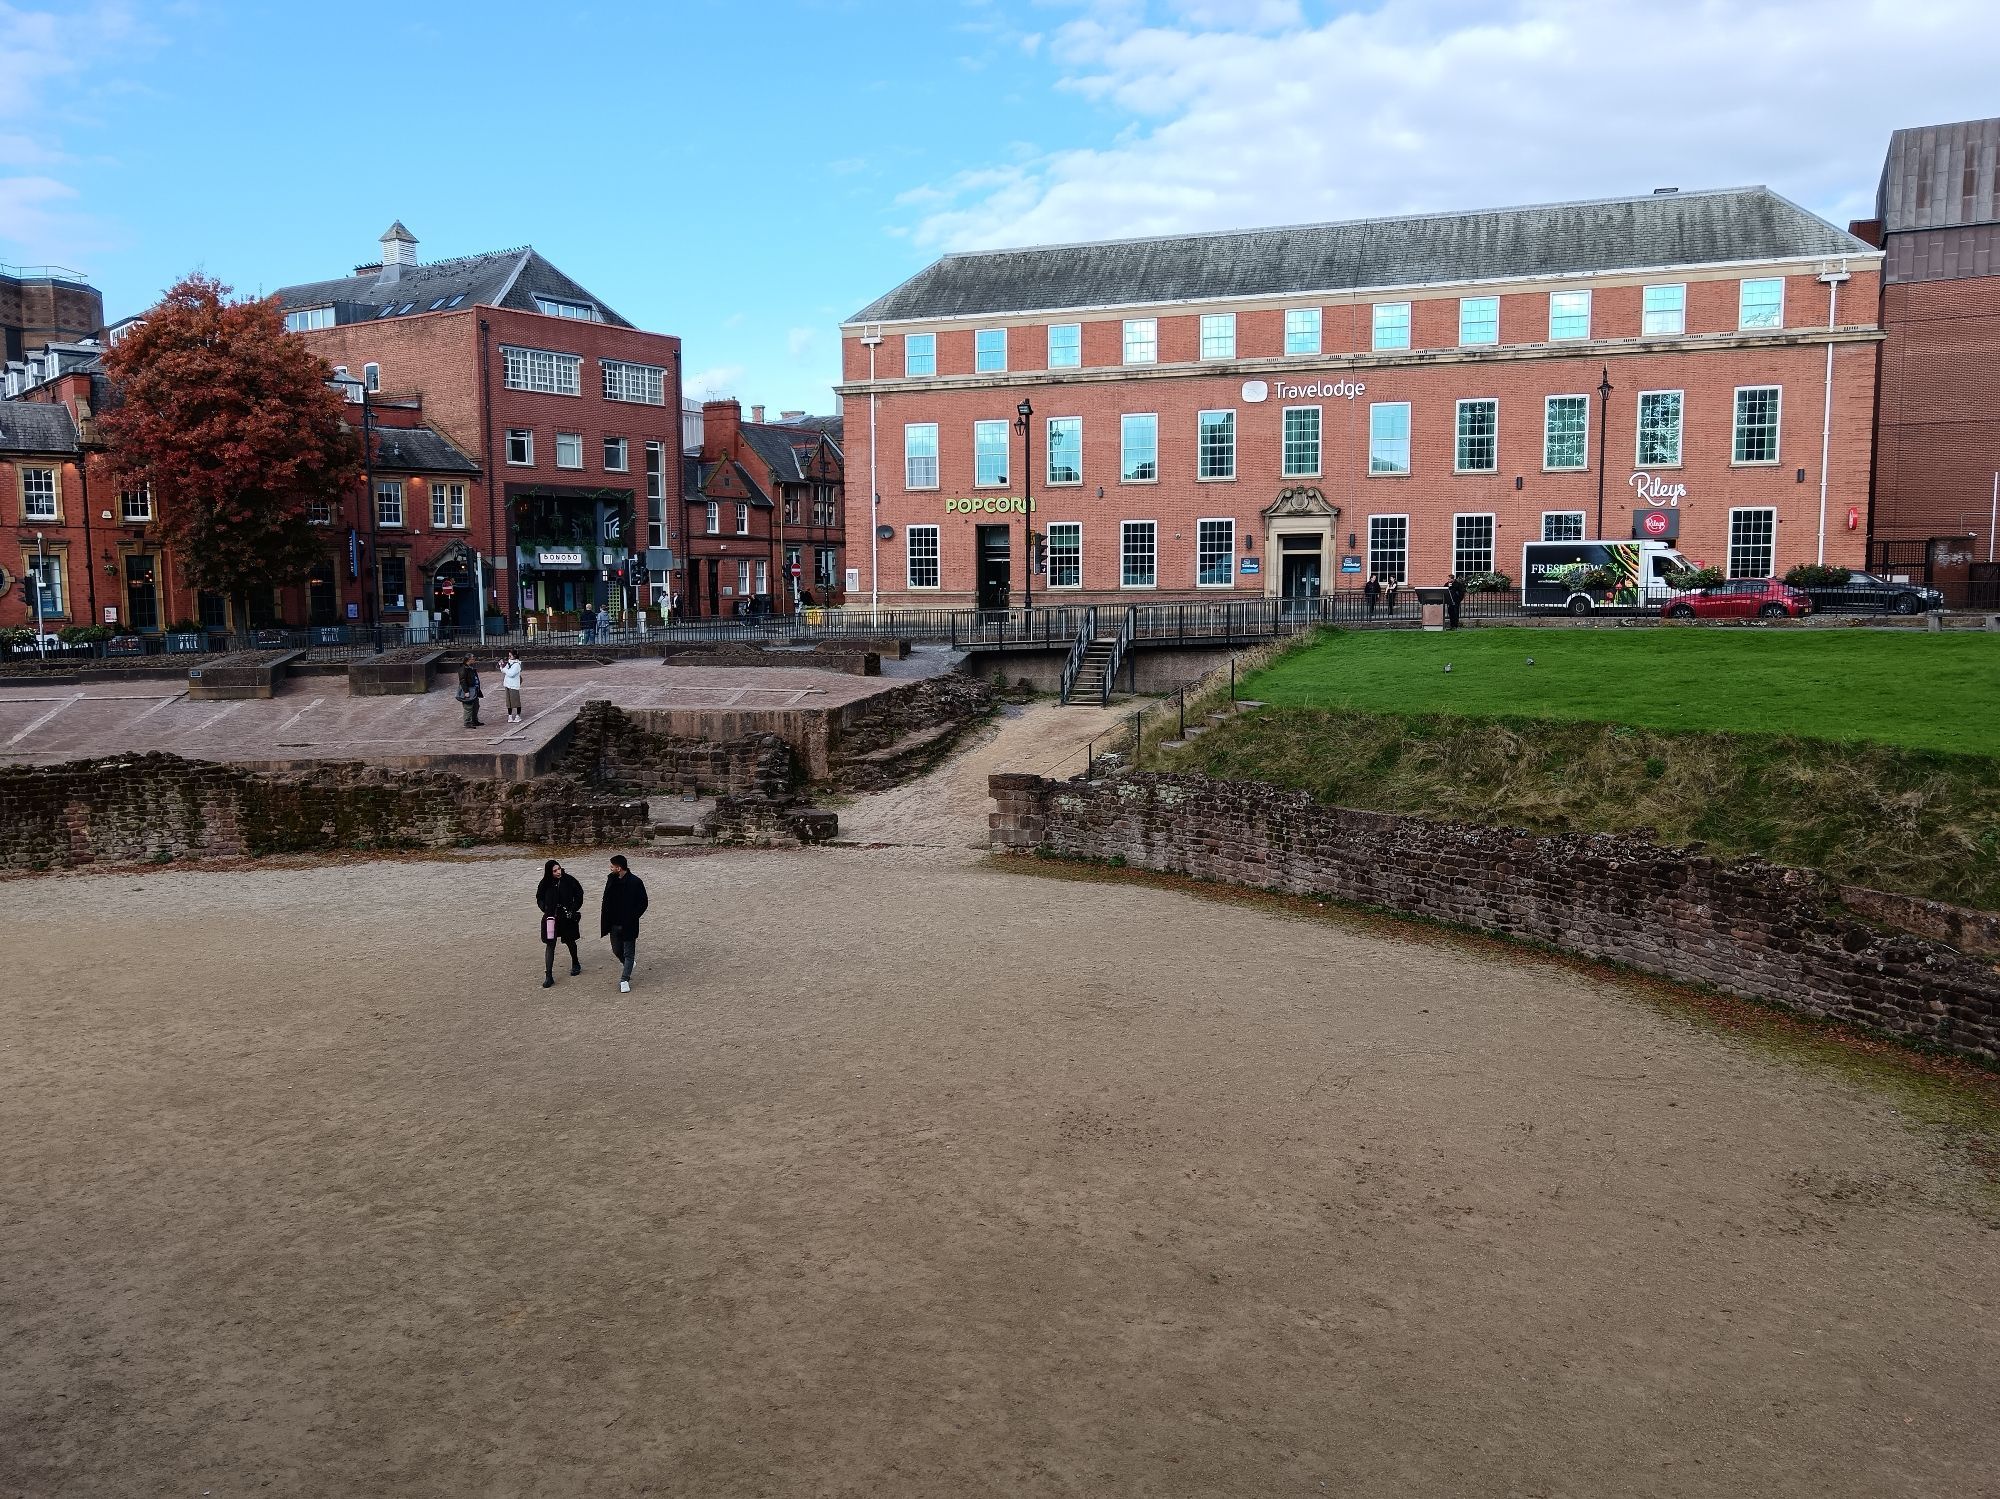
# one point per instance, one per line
(1041, 553)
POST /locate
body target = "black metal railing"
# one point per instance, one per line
(1086, 632)
(1121, 646)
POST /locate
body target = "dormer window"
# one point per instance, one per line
(582, 312)
(307, 318)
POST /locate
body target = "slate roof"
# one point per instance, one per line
(32, 427)
(788, 447)
(757, 496)
(1716, 226)
(419, 450)
(1941, 177)
(502, 278)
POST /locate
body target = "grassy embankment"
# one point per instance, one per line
(1874, 756)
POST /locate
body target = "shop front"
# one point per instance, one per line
(571, 550)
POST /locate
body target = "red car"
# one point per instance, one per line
(1742, 598)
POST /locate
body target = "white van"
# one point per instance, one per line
(1579, 576)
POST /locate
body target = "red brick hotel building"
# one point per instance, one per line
(1289, 410)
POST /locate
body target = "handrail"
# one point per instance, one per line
(1120, 644)
(1085, 633)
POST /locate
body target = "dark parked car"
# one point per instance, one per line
(1742, 598)
(1868, 593)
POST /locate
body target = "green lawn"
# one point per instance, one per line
(1939, 692)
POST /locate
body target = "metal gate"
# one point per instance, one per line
(1982, 589)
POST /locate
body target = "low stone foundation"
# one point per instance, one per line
(1783, 935)
(610, 747)
(854, 661)
(402, 673)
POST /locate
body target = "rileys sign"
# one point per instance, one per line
(1654, 490)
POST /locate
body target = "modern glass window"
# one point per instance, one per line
(1302, 330)
(1065, 346)
(1753, 540)
(388, 502)
(1761, 303)
(1065, 554)
(742, 519)
(1392, 325)
(1478, 320)
(542, 370)
(1389, 437)
(615, 455)
(1218, 335)
(713, 519)
(447, 505)
(308, 318)
(371, 376)
(645, 384)
(1302, 432)
(989, 452)
(920, 455)
(1471, 544)
(1138, 554)
(1216, 445)
(520, 446)
(1566, 432)
(989, 351)
(1065, 450)
(1142, 340)
(569, 450)
(1139, 448)
(46, 569)
(1215, 553)
(1659, 428)
(1756, 425)
(656, 470)
(1665, 310)
(923, 563)
(581, 312)
(1389, 547)
(919, 354)
(38, 494)
(1569, 315)
(1478, 443)
(1562, 525)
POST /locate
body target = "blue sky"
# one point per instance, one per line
(747, 175)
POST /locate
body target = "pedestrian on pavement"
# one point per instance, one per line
(510, 679)
(559, 897)
(603, 625)
(1389, 587)
(1454, 596)
(1371, 595)
(618, 916)
(469, 693)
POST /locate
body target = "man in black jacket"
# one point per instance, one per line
(618, 917)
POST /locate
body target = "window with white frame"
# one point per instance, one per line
(742, 519)
(643, 384)
(1471, 544)
(1389, 437)
(1392, 325)
(923, 556)
(1756, 439)
(1065, 450)
(1566, 432)
(1389, 547)
(1753, 541)
(615, 455)
(1659, 429)
(447, 505)
(1142, 340)
(1139, 448)
(1569, 315)
(46, 569)
(1478, 320)
(520, 446)
(1761, 303)
(308, 318)
(1138, 554)
(919, 354)
(1477, 449)
(319, 512)
(1216, 445)
(1562, 525)
(743, 579)
(1301, 441)
(541, 370)
(1065, 554)
(371, 376)
(1664, 310)
(713, 520)
(989, 453)
(1215, 553)
(920, 455)
(569, 450)
(1218, 335)
(581, 312)
(135, 506)
(388, 502)
(1065, 346)
(763, 576)
(1302, 330)
(656, 470)
(989, 351)
(38, 494)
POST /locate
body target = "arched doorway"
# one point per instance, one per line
(1300, 545)
(454, 589)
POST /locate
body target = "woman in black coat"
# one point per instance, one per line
(560, 899)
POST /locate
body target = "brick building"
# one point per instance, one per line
(765, 498)
(1937, 436)
(45, 304)
(1280, 410)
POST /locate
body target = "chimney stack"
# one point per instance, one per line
(399, 252)
(719, 423)
(756, 413)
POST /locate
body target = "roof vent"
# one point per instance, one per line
(399, 252)
(1661, 192)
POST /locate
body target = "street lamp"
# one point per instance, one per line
(1603, 417)
(1026, 410)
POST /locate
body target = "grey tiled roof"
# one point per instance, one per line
(418, 450)
(788, 448)
(31, 427)
(1667, 229)
(503, 278)
(1941, 177)
(757, 496)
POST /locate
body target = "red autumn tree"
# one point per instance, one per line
(231, 421)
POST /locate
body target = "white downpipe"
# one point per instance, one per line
(1826, 415)
(1993, 517)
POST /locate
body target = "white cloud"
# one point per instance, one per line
(799, 342)
(713, 383)
(1231, 113)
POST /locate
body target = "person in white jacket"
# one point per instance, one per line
(510, 679)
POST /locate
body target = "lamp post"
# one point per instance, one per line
(1026, 410)
(1603, 419)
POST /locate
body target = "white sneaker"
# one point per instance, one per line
(624, 986)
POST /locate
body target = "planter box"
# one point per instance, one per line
(186, 645)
